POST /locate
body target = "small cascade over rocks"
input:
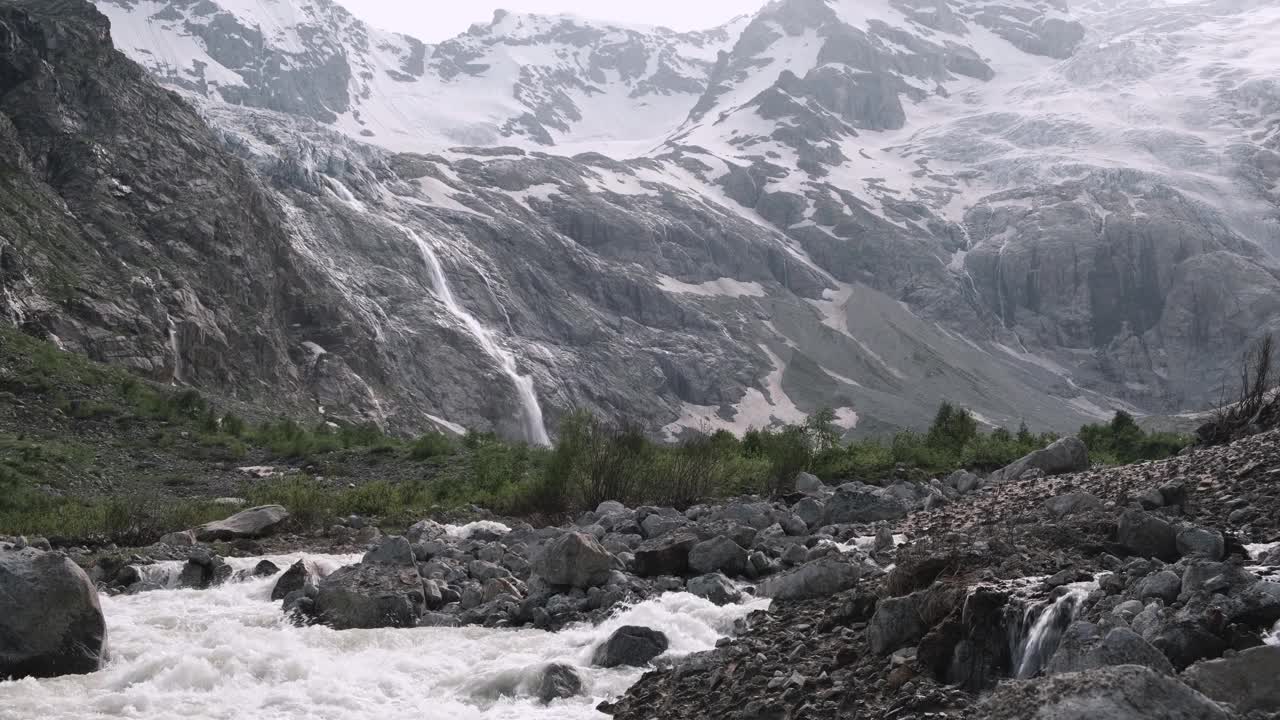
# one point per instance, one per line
(1034, 637)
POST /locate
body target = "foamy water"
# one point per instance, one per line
(227, 653)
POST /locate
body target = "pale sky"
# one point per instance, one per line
(436, 20)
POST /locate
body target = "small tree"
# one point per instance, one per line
(1255, 402)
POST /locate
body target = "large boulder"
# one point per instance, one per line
(1064, 456)
(558, 681)
(862, 505)
(807, 482)
(1123, 692)
(719, 554)
(820, 578)
(252, 523)
(1061, 506)
(370, 595)
(50, 621)
(897, 622)
(299, 576)
(631, 646)
(1197, 542)
(391, 550)
(714, 587)
(574, 560)
(1147, 535)
(203, 570)
(1165, 585)
(667, 555)
(1085, 646)
(1247, 681)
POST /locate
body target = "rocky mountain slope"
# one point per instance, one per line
(870, 206)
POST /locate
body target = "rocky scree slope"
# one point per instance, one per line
(1056, 581)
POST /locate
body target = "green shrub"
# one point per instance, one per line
(1123, 441)
(431, 445)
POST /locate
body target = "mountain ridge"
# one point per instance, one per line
(785, 249)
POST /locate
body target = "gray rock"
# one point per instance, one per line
(252, 523)
(668, 555)
(810, 511)
(812, 580)
(184, 538)
(658, 525)
(756, 515)
(718, 555)
(1071, 503)
(630, 646)
(714, 587)
(862, 505)
(50, 621)
(369, 596)
(1165, 585)
(609, 507)
(1123, 692)
(1064, 456)
(392, 550)
(1196, 542)
(896, 623)
(574, 560)
(203, 569)
(298, 577)
(1085, 646)
(558, 681)
(806, 482)
(1248, 681)
(1148, 536)
(425, 531)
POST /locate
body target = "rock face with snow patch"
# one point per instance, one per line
(868, 206)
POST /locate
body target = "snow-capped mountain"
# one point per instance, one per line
(526, 79)
(1041, 211)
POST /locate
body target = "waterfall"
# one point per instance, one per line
(530, 411)
(1033, 646)
(175, 351)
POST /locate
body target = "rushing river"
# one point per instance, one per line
(226, 653)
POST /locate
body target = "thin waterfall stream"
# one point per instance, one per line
(535, 430)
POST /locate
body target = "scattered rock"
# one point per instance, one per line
(631, 646)
(1085, 646)
(1148, 536)
(714, 587)
(574, 560)
(1125, 692)
(1248, 681)
(557, 682)
(667, 555)
(820, 578)
(719, 554)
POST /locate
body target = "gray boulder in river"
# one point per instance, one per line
(252, 523)
(50, 621)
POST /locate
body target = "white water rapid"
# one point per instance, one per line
(535, 431)
(228, 654)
